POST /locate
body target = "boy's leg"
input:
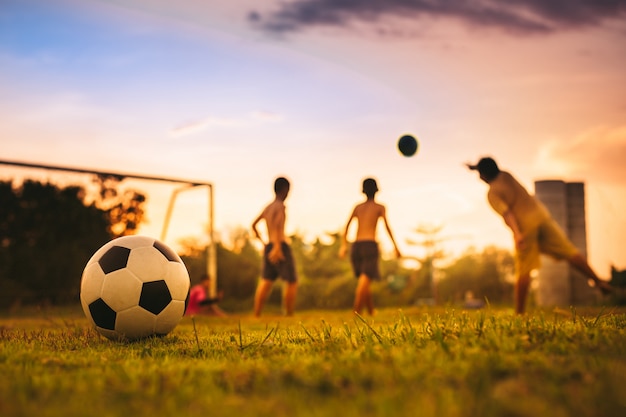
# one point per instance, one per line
(362, 295)
(581, 264)
(369, 300)
(262, 291)
(555, 243)
(290, 297)
(521, 292)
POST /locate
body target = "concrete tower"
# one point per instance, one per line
(558, 283)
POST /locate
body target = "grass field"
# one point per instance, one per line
(415, 362)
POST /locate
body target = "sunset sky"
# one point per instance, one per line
(239, 92)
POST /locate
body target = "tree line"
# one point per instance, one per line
(48, 233)
(327, 282)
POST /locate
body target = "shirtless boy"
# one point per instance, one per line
(534, 230)
(277, 256)
(365, 253)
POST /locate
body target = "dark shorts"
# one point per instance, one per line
(286, 269)
(364, 256)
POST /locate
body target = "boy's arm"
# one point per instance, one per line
(511, 222)
(344, 239)
(503, 209)
(384, 216)
(254, 227)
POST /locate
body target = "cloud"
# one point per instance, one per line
(196, 126)
(518, 16)
(598, 153)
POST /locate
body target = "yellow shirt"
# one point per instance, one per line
(506, 193)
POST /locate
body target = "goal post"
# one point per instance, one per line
(211, 267)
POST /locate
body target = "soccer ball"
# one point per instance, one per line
(134, 287)
(407, 145)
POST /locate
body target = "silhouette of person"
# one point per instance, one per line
(365, 253)
(277, 257)
(199, 301)
(534, 230)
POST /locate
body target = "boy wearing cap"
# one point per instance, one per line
(365, 253)
(534, 230)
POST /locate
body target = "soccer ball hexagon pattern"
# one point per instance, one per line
(134, 287)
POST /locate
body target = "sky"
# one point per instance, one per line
(237, 93)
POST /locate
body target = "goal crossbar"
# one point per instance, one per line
(211, 249)
(120, 175)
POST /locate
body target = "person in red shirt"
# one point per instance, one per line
(199, 301)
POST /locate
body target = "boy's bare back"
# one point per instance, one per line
(367, 214)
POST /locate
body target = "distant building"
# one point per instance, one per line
(558, 283)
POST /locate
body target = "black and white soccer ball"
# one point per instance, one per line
(134, 287)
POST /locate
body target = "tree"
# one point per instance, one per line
(124, 210)
(238, 268)
(48, 233)
(238, 272)
(319, 260)
(327, 282)
(430, 240)
(485, 275)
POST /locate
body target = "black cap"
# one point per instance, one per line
(487, 167)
